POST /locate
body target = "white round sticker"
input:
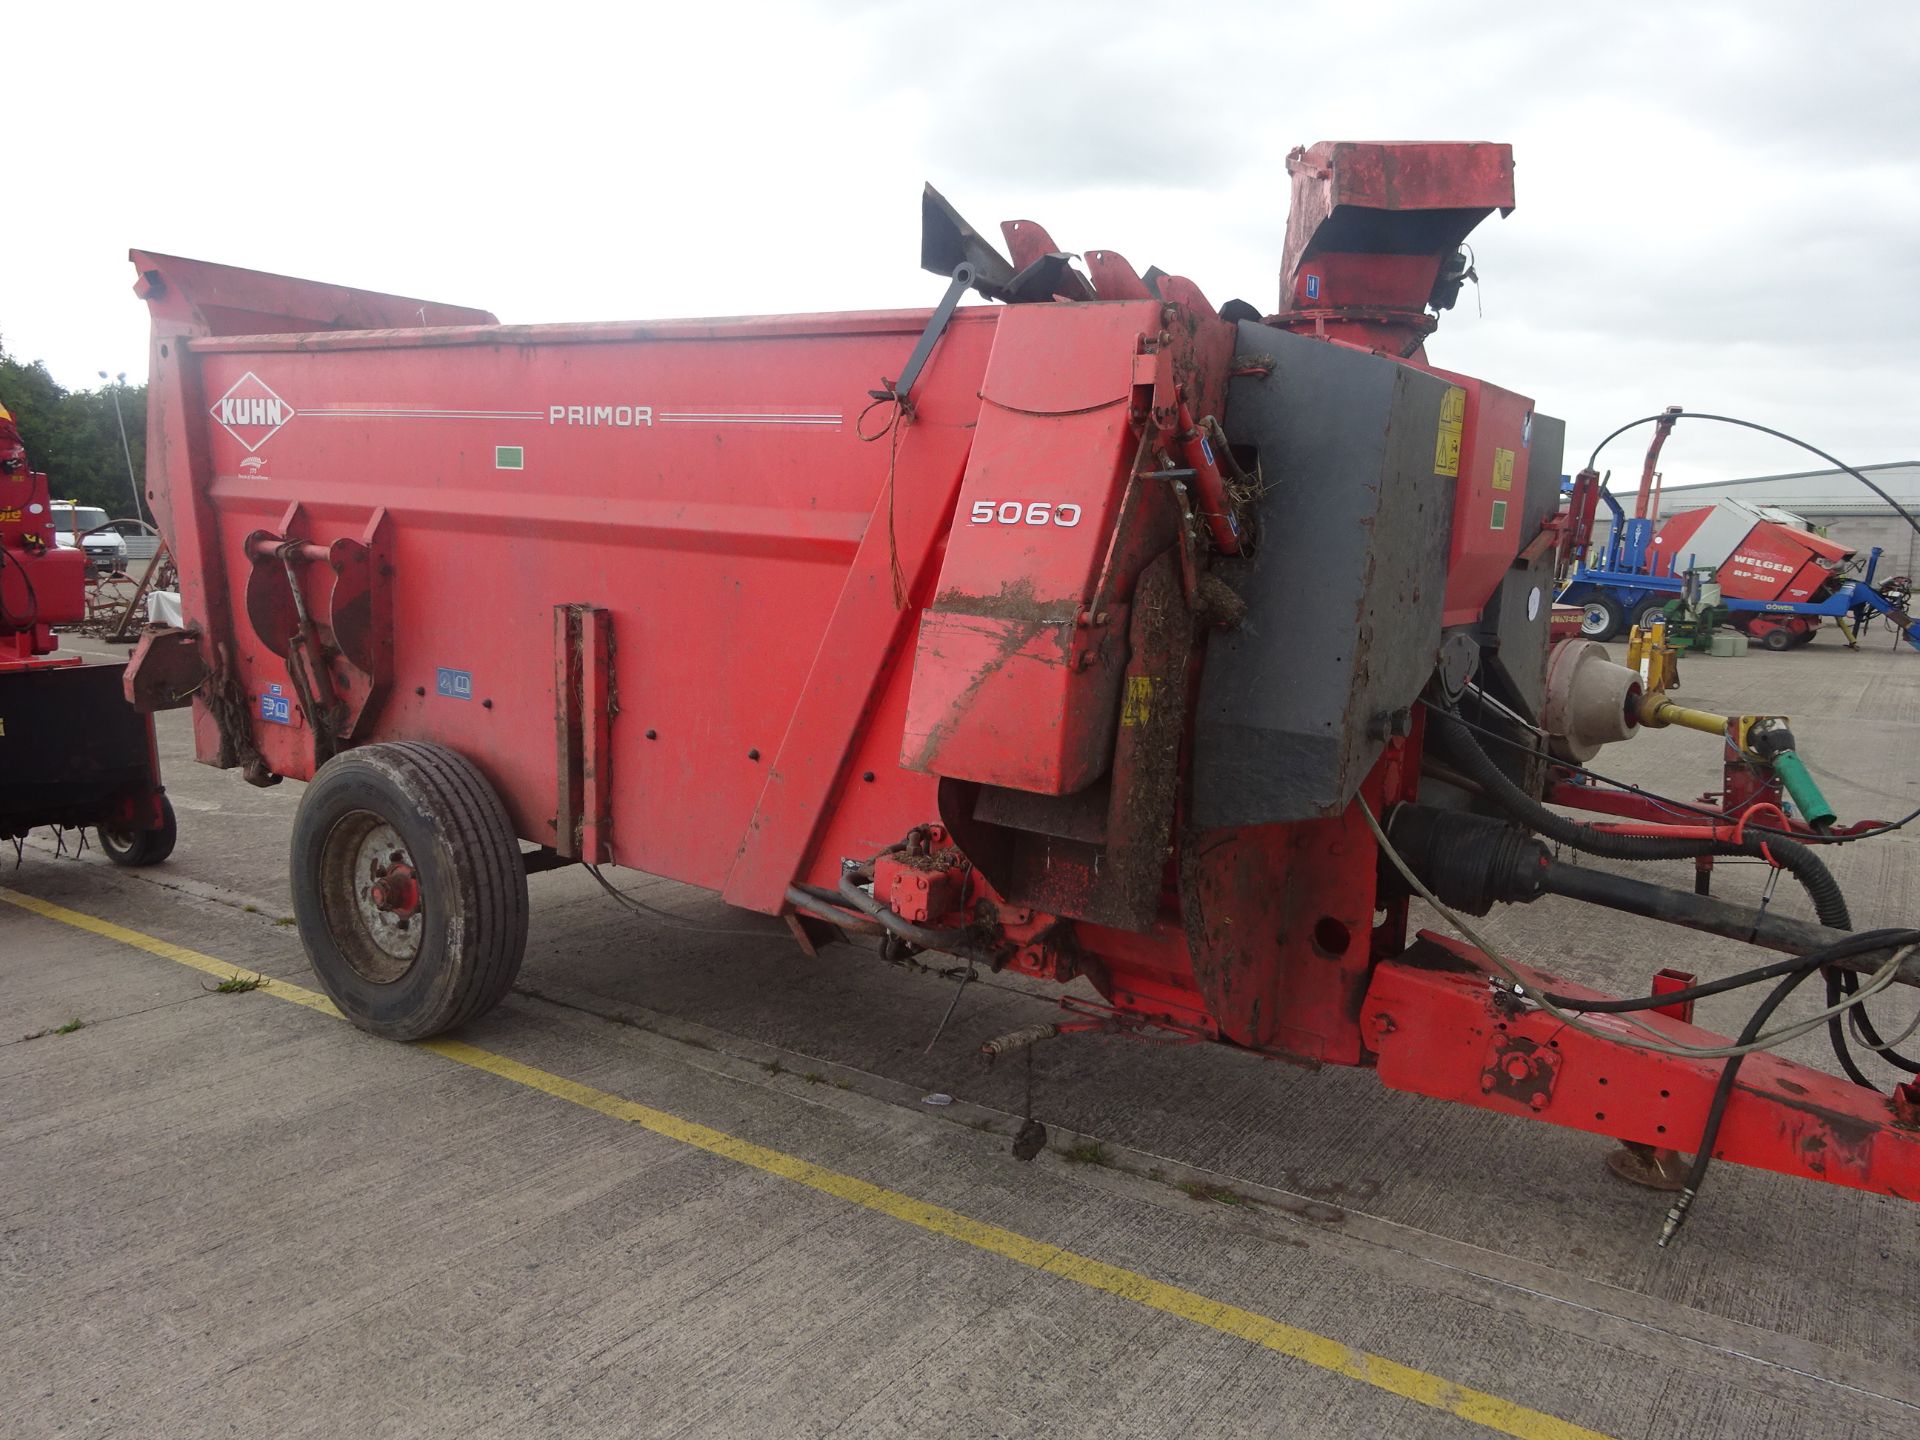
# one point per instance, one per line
(1533, 603)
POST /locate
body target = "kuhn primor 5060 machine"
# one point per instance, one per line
(1090, 633)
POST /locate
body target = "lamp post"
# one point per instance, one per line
(120, 380)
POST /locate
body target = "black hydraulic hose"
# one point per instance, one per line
(1861, 943)
(1717, 1111)
(1707, 913)
(1459, 746)
(1838, 986)
(1776, 932)
(1837, 1034)
(1670, 415)
(33, 596)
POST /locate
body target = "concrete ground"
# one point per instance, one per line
(224, 1214)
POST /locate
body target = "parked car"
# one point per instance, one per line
(106, 549)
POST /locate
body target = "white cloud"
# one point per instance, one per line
(1717, 202)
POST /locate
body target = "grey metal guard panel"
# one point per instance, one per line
(1343, 590)
(1513, 629)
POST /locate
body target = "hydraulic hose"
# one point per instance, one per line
(1457, 741)
(1856, 948)
(1672, 415)
(1840, 958)
(950, 942)
(1717, 1111)
(33, 596)
(1704, 912)
(1839, 986)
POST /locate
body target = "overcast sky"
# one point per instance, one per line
(1719, 204)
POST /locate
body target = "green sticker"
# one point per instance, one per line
(509, 457)
(1499, 521)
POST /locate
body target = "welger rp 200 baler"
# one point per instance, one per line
(1091, 633)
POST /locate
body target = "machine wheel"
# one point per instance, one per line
(1648, 610)
(409, 889)
(140, 847)
(1778, 638)
(1601, 618)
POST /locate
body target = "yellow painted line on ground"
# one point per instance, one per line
(1490, 1411)
(167, 950)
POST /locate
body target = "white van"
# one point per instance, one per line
(106, 549)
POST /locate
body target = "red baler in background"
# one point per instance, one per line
(1094, 633)
(1763, 554)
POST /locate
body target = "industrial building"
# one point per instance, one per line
(1833, 502)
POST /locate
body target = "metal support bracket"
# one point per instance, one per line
(584, 707)
(339, 653)
(898, 390)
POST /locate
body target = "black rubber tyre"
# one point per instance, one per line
(426, 813)
(1778, 638)
(1648, 610)
(140, 847)
(1600, 618)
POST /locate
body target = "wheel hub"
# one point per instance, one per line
(395, 890)
(374, 901)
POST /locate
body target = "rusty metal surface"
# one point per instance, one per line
(1015, 683)
(1370, 227)
(1282, 967)
(1102, 854)
(167, 668)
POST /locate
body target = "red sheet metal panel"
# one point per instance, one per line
(41, 585)
(710, 492)
(1774, 562)
(1015, 682)
(1486, 448)
(1675, 541)
(1820, 545)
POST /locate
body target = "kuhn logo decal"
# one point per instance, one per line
(250, 412)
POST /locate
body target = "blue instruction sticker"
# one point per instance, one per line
(454, 684)
(276, 707)
(1313, 287)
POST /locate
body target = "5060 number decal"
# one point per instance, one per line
(1025, 512)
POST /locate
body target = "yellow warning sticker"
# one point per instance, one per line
(1142, 693)
(1446, 445)
(1503, 469)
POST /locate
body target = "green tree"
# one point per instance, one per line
(74, 436)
